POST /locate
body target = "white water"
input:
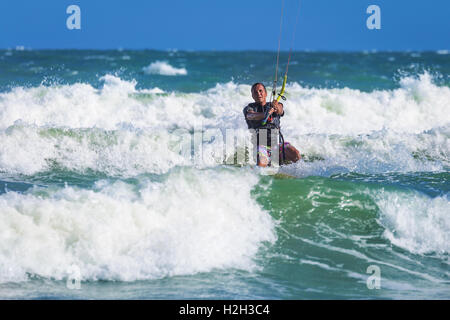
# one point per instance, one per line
(417, 106)
(415, 222)
(197, 220)
(164, 69)
(120, 130)
(193, 222)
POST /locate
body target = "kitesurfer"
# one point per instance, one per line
(255, 113)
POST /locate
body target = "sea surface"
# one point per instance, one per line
(99, 199)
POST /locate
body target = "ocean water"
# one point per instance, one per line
(98, 201)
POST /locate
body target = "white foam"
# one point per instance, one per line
(414, 221)
(187, 224)
(164, 68)
(119, 129)
(379, 152)
(417, 106)
(153, 90)
(126, 152)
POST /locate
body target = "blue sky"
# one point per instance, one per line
(225, 24)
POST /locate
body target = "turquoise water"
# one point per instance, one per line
(365, 71)
(94, 187)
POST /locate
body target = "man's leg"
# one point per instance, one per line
(291, 153)
(263, 156)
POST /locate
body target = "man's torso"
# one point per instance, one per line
(272, 123)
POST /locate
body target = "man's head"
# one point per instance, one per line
(259, 93)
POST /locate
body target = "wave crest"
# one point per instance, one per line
(163, 68)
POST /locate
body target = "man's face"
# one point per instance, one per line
(259, 94)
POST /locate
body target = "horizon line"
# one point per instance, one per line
(119, 49)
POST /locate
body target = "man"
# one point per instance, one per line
(254, 115)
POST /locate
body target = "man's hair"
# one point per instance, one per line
(255, 84)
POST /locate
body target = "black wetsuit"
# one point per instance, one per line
(273, 123)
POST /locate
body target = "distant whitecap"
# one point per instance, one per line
(163, 68)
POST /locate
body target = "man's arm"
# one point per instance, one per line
(252, 115)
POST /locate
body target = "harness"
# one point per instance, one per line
(269, 142)
(269, 127)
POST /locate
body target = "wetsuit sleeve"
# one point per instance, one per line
(246, 110)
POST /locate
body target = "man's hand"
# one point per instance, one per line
(277, 107)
